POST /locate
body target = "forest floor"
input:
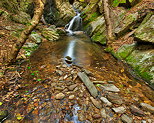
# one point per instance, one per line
(32, 94)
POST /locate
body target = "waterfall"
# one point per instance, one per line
(75, 24)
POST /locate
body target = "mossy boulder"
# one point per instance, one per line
(96, 30)
(50, 33)
(35, 37)
(140, 60)
(21, 17)
(126, 24)
(145, 32)
(15, 6)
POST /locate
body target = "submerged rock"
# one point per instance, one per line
(110, 87)
(103, 113)
(59, 96)
(119, 110)
(115, 98)
(90, 86)
(105, 101)
(96, 103)
(72, 87)
(136, 111)
(126, 119)
(147, 107)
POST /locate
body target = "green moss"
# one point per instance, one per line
(99, 37)
(125, 50)
(141, 72)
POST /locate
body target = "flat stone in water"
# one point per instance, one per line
(115, 98)
(96, 103)
(90, 86)
(103, 113)
(59, 96)
(71, 97)
(136, 111)
(147, 107)
(72, 87)
(105, 100)
(119, 110)
(126, 119)
(110, 87)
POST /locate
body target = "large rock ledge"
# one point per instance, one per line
(145, 31)
(140, 60)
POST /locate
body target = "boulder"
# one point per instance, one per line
(145, 32)
(140, 60)
(50, 34)
(35, 37)
(21, 17)
(125, 24)
(96, 30)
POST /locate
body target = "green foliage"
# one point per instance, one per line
(93, 16)
(117, 2)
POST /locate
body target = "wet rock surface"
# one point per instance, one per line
(115, 98)
(126, 119)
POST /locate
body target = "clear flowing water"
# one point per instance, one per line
(40, 83)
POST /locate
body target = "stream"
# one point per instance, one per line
(51, 92)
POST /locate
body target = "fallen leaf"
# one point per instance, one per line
(19, 117)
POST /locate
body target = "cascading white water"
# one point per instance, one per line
(75, 24)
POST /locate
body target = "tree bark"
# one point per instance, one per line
(108, 21)
(39, 6)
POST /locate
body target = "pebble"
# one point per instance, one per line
(64, 65)
(59, 96)
(136, 111)
(103, 113)
(96, 116)
(110, 87)
(59, 72)
(119, 110)
(143, 121)
(96, 103)
(147, 107)
(126, 119)
(72, 87)
(115, 98)
(71, 97)
(105, 100)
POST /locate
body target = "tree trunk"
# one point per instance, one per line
(39, 6)
(108, 21)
